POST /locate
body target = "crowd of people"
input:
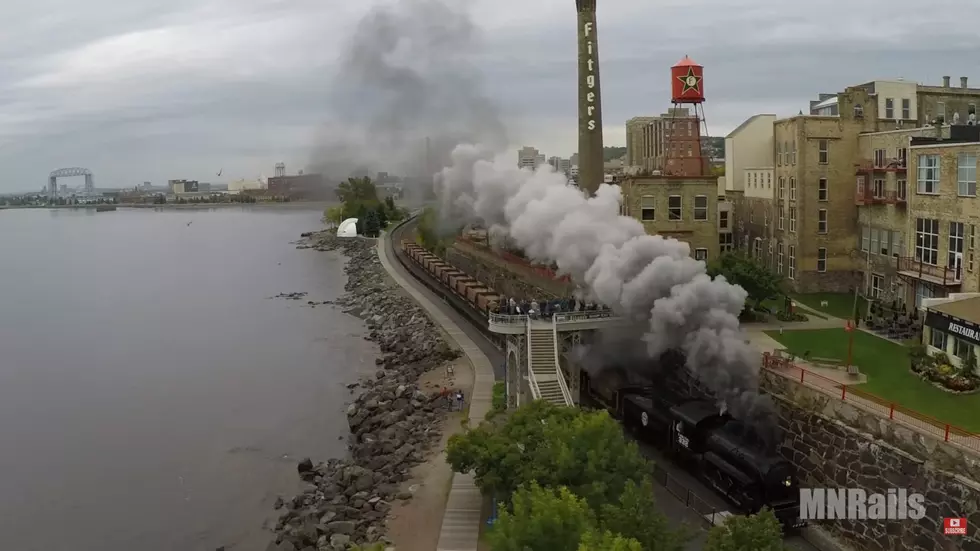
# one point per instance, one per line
(547, 308)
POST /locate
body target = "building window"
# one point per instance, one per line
(792, 219)
(674, 208)
(877, 286)
(937, 339)
(822, 221)
(793, 154)
(903, 190)
(824, 151)
(928, 174)
(701, 254)
(897, 243)
(648, 212)
(903, 156)
(792, 262)
(779, 154)
(927, 240)
(878, 188)
(941, 111)
(962, 349)
(782, 187)
(865, 239)
(874, 240)
(906, 108)
(701, 207)
(973, 236)
(822, 190)
(723, 219)
(769, 180)
(765, 218)
(966, 174)
(782, 218)
(883, 245)
(889, 108)
(821, 259)
(757, 248)
(954, 255)
(792, 189)
(779, 259)
(726, 242)
(879, 157)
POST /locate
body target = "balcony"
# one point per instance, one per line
(867, 196)
(882, 165)
(913, 268)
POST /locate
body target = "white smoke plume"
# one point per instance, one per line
(645, 277)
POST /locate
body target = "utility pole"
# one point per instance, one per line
(864, 281)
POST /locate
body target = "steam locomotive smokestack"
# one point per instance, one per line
(590, 173)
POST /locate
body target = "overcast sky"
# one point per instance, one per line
(153, 89)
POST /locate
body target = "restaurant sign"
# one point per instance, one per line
(956, 327)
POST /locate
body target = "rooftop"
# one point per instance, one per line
(967, 309)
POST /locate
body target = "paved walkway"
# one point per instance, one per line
(464, 507)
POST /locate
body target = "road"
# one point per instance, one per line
(672, 498)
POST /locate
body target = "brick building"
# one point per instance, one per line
(651, 140)
(685, 208)
(300, 186)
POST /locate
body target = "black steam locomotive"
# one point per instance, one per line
(719, 449)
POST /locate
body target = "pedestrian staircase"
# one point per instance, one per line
(545, 377)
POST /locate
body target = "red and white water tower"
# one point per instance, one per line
(686, 124)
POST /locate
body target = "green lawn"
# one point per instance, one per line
(839, 305)
(887, 366)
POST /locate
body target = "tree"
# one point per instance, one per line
(372, 228)
(607, 541)
(542, 518)
(382, 215)
(759, 532)
(334, 214)
(390, 204)
(760, 283)
(635, 516)
(554, 446)
(357, 190)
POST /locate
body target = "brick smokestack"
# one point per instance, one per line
(590, 165)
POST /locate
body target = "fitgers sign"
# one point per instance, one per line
(954, 326)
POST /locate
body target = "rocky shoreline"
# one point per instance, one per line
(393, 423)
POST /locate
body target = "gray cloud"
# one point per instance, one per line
(150, 90)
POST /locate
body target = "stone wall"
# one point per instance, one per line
(836, 445)
(507, 278)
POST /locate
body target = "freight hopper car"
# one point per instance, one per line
(478, 295)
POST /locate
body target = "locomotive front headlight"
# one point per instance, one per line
(788, 482)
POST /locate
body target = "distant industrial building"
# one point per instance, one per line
(301, 186)
(529, 157)
(239, 186)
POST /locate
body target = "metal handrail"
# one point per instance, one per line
(565, 392)
(583, 315)
(508, 319)
(531, 379)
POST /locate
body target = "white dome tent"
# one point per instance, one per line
(347, 228)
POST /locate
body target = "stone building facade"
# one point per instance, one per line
(944, 215)
(683, 208)
(882, 199)
(948, 103)
(814, 204)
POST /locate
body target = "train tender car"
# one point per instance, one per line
(724, 453)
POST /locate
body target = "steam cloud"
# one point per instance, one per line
(405, 75)
(645, 277)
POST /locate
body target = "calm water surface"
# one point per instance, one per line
(152, 397)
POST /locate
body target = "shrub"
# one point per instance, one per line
(785, 315)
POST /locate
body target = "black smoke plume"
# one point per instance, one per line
(408, 93)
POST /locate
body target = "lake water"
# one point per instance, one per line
(152, 397)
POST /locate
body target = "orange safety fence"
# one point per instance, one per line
(512, 258)
(870, 402)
